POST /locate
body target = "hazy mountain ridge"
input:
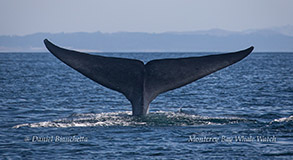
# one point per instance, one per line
(210, 40)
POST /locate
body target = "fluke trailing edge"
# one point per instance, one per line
(141, 83)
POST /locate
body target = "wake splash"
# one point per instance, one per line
(159, 118)
(284, 119)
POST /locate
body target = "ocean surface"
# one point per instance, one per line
(50, 111)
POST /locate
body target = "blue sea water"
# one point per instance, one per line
(50, 111)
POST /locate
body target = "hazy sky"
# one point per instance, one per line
(21, 17)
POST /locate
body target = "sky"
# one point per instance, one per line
(23, 17)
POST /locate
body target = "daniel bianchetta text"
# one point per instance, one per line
(56, 139)
(237, 139)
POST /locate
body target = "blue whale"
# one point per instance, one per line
(141, 83)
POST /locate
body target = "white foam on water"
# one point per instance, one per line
(284, 119)
(159, 118)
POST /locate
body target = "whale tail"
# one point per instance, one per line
(141, 83)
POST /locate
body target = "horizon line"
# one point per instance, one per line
(148, 32)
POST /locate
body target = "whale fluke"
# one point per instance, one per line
(141, 83)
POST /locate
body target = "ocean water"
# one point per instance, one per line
(50, 111)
